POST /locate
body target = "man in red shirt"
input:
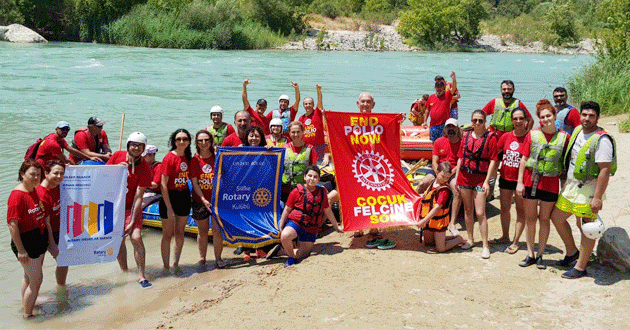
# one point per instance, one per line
(313, 121)
(568, 117)
(92, 140)
(439, 106)
(454, 111)
(138, 181)
(501, 110)
(284, 112)
(52, 146)
(258, 117)
(242, 121)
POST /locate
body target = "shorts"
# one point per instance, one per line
(507, 184)
(433, 230)
(56, 237)
(454, 113)
(35, 243)
(579, 210)
(199, 211)
(436, 132)
(476, 188)
(577, 200)
(320, 149)
(180, 201)
(303, 235)
(136, 224)
(541, 195)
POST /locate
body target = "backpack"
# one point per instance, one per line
(31, 152)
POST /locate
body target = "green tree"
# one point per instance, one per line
(433, 22)
(47, 17)
(615, 14)
(10, 13)
(562, 20)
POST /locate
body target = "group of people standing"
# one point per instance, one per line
(551, 172)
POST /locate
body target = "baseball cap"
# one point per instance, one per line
(284, 97)
(150, 149)
(96, 121)
(262, 102)
(63, 124)
(451, 121)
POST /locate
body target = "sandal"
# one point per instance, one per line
(386, 244)
(512, 249)
(220, 264)
(467, 246)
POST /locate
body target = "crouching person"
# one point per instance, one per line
(436, 210)
(304, 214)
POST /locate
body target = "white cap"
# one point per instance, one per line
(137, 137)
(149, 150)
(216, 109)
(451, 121)
(275, 122)
(284, 97)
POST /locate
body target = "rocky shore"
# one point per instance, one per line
(386, 38)
(19, 33)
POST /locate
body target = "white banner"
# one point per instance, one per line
(92, 214)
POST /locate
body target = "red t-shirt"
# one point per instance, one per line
(573, 118)
(313, 128)
(232, 141)
(446, 151)
(297, 150)
(297, 199)
(50, 148)
(176, 168)
(490, 152)
(439, 107)
(84, 140)
(140, 176)
(513, 148)
(291, 117)
(258, 120)
(52, 203)
(27, 209)
(157, 175)
(489, 110)
(547, 183)
(203, 170)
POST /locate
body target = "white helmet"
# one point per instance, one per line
(216, 109)
(595, 229)
(275, 122)
(137, 137)
(283, 97)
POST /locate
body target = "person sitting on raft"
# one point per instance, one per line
(276, 138)
(417, 111)
(436, 210)
(92, 141)
(303, 217)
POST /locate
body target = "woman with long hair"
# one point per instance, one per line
(175, 204)
(539, 178)
(477, 165)
(255, 137)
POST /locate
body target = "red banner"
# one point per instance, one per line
(373, 189)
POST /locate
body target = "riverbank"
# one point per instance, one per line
(345, 34)
(345, 285)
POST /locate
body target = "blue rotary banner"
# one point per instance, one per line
(246, 195)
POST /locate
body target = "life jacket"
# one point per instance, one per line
(86, 131)
(472, 160)
(442, 218)
(277, 143)
(502, 116)
(218, 135)
(585, 166)
(561, 119)
(545, 158)
(285, 116)
(310, 213)
(295, 165)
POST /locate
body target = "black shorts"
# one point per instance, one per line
(56, 237)
(541, 195)
(180, 201)
(507, 184)
(35, 243)
(199, 211)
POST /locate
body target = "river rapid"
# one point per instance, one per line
(160, 90)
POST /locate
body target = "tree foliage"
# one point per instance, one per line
(561, 18)
(615, 15)
(10, 13)
(433, 22)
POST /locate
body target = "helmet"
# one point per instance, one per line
(283, 97)
(216, 109)
(595, 229)
(137, 137)
(275, 122)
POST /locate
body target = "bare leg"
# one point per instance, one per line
(467, 199)
(61, 274)
(168, 230)
(543, 234)
(506, 205)
(531, 217)
(559, 219)
(442, 244)
(138, 252)
(286, 238)
(180, 225)
(34, 276)
(122, 256)
(586, 248)
(480, 211)
(217, 241)
(305, 249)
(202, 239)
(520, 220)
(457, 202)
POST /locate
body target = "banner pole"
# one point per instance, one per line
(122, 127)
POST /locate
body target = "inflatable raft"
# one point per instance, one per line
(151, 218)
(415, 143)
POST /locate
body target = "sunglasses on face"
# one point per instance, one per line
(182, 139)
(478, 121)
(203, 140)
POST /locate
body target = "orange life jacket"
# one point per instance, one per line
(443, 216)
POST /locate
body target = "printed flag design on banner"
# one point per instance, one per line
(246, 195)
(92, 214)
(373, 189)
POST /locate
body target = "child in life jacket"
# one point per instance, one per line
(436, 211)
(303, 217)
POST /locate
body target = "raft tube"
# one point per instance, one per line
(415, 143)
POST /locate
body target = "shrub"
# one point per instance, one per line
(10, 13)
(562, 20)
(277, 15)
(328, 8)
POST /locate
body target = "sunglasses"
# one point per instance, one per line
(480, 121)
(203, 140)
(182, 139)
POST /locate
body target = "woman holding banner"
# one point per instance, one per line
(175, 204)
(202, 173)
(255, 137)
(49, 194)
(478, 163)
(30, 232)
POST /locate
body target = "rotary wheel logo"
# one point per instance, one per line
(110, 251)
(183, 167)
(261, 197)
(372, 170)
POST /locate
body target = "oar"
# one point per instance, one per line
(122, 127)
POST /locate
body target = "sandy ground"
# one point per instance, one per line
(345, 285)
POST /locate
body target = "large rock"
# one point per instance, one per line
(19, 33)
(613, 249)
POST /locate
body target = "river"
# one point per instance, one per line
(161, 90)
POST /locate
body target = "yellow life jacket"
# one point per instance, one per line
(585, 166)
(502, 116)
(545, 158)
(295, 165)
